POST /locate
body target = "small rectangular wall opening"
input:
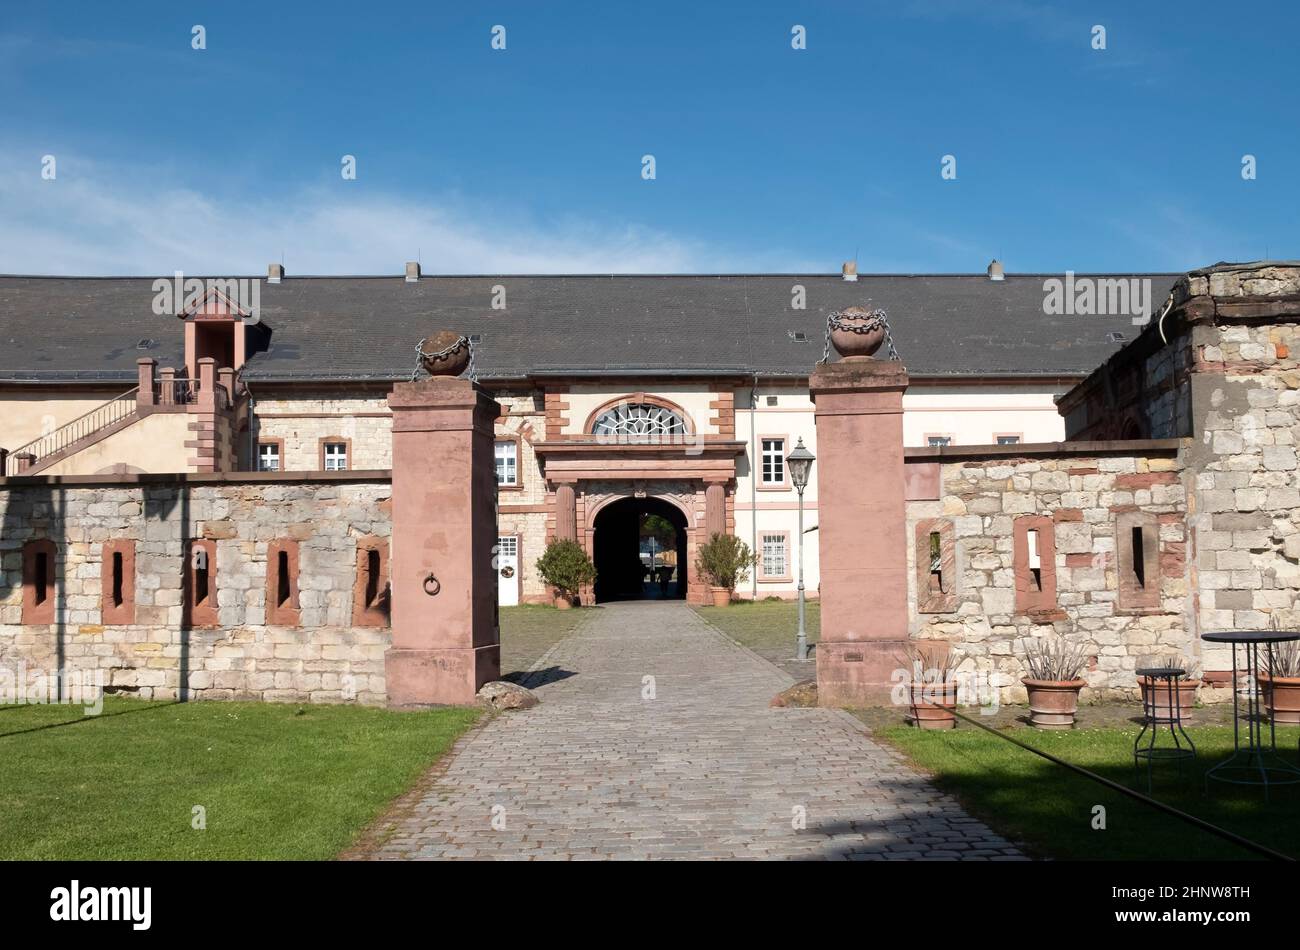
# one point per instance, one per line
(936, 563)
(41, 579)
(39, 583)
(372, 578)
(935, 573)
(200, 593)
(282, 578)
(370, 598)
(117, 595)
(118, 573)
(282, 583)
(1035, 559)
(1139, 556)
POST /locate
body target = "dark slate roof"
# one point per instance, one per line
(62, 328)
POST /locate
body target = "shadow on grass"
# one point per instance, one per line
(83, 718)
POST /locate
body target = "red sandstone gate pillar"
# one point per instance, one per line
(715, 509)
(862, 537)
(445, 639)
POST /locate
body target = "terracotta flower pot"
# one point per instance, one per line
(1053, 703)
(857, 333)
(721, 596)
(563, 601)
(932, 705)
(1186, 692)
(1281, 697)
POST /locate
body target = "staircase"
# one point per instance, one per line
(70, 438)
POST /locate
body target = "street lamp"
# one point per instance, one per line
(799, 463)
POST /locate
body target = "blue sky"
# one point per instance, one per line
(529, 159)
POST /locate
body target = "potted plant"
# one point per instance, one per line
(1279, 681)
(1185, 689)
(1053, 682)
(725, 560)
(566, 567)
(932, 683)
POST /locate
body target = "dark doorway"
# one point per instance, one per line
(631, 560)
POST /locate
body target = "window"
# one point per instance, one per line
(638, 422)
(268, 456)
(336, 456)
(507, 462)
(1008, 439)
(938, 441)
(773, 462)
(775, 546)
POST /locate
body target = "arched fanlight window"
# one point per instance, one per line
(638, 420)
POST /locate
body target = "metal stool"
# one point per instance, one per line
(1163, 685)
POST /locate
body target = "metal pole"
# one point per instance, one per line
(801, 644)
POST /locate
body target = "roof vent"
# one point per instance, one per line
(274, 273)
(850, 270)
(412, 271)
(797, 335)
(995, 270)
(144, 344)
(1115, 336)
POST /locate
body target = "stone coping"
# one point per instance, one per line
(941, 453)
(192, 478)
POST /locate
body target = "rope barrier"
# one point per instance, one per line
(1138, 796)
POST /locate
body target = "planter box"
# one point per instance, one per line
(1053, 703)
(1281, 697)
(932, 705)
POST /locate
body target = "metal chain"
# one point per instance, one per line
(833, 322)
(421, 356)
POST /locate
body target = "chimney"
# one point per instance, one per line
(412, 271)
(995, 270)
(850, 270)
(274, 273)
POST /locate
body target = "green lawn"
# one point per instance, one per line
(1050, 809)
(768, 627)
(529, 630)
(277, 781)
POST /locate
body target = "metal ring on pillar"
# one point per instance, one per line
(437, 586)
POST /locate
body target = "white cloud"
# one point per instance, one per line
(94, 220)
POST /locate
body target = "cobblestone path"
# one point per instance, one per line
(654, 739)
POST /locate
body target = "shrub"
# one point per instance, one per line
(566, 565)
(725, 560)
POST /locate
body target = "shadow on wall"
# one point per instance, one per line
(160, 504)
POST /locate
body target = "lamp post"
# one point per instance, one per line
(799, 463)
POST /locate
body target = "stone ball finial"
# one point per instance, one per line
(856, 332)
(445, 353)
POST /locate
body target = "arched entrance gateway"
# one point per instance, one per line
(639, 547)
(638, 457)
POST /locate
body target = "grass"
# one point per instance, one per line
(278, 782)
(768, 627)
(1050, 809)
(529, 630)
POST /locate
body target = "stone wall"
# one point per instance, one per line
(167, 647)
(1081, 503)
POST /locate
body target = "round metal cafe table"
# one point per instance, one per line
(1254, 763)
